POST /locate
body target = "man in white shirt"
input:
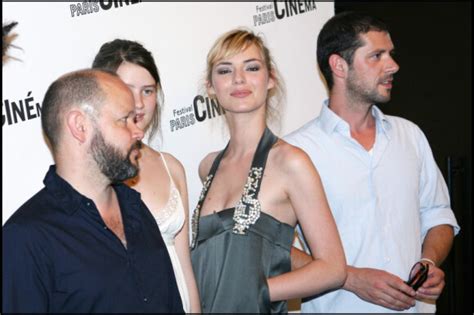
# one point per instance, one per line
(387, 195)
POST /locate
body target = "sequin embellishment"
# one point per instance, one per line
(242, 219)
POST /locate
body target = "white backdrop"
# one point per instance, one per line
(58, 37)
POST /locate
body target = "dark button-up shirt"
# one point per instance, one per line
(59, 256)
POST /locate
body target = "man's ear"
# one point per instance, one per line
(77, 124)
(338, 66)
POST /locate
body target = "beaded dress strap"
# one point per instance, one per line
(261, 154)
(202, 197)
(247, 210)
(217, 161)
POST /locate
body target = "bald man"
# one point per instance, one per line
(86, 242)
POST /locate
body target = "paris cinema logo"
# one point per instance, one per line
(279, 10)
(94, 6)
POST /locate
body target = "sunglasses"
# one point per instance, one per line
(419, 277)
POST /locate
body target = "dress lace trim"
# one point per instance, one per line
(167, 211)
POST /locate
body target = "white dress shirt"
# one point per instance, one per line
(384, 202)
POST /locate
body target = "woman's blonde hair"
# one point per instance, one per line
(237, 40)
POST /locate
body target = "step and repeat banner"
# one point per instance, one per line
(53, 38)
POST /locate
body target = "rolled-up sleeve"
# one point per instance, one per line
(435, 205)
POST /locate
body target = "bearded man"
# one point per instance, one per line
(86, 242)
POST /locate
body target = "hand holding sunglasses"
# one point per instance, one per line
(419, 277)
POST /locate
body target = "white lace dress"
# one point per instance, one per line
(170, 219)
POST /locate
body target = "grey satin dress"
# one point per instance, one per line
(233, 254)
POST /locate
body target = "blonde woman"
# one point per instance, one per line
(255, 191)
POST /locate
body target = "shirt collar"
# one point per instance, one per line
(71, 200)
(68, 198)
(330, 120)
(381, 120)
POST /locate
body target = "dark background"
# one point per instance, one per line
(433, 89)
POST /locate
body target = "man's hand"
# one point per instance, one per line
(380, 287)
(436, 246)
(433, 286)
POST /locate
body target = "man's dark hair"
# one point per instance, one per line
(341, 35)
(73, 89)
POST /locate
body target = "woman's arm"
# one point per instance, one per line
(299, 258)
(327, 270)
(182, 238)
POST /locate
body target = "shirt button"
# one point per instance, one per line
(145, 300)
(88, 204)
(105, 227)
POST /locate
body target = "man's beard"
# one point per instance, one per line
(360, 92)
(115, 166)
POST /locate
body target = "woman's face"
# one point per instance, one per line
(144, 89)
(241, 82)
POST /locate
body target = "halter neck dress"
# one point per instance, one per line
(235, 250)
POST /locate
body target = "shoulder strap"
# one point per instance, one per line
(247, 211)
(210, 175)
(166, 167)
(217, 161)
(261, 154)
(202, 197)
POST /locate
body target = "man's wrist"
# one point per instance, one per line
(347, 284)
(428, 261)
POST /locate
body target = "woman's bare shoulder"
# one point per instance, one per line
(206, 164)
(290, 158)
